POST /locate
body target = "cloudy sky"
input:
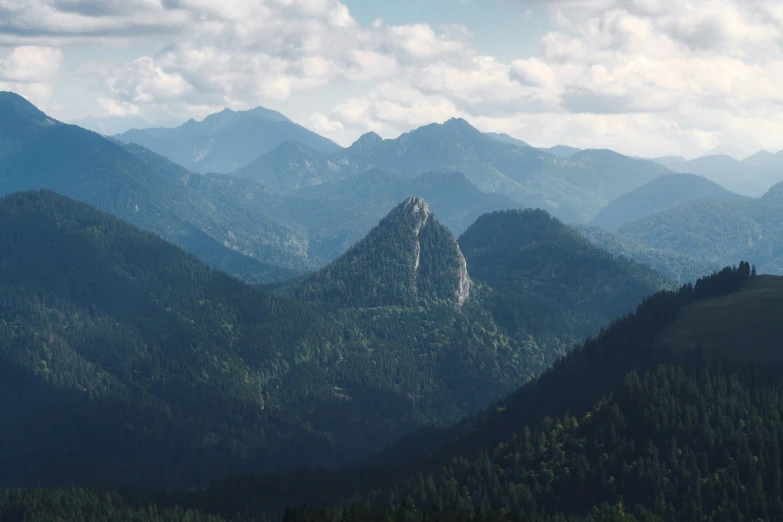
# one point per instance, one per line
(646, 77)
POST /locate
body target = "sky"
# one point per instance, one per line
(644, 77)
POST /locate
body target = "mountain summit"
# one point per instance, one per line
(227, 140)
(407, 257)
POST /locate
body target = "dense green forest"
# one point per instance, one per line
(659, 435)
(678, 266)
(107, 330)
(544, 274)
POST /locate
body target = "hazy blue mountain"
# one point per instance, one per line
(227, 140)
(741, 177)
(716, 230)
(109, 125)
(726, 150)
(339, 213)
(659, 194)
(560, 151)
(505, 138)
(210, 217)
(766, 161)
(573, 189)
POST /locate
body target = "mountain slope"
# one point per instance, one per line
(548, 280)
(680, 267)
(574, 189)
(182, 374)
(227, 140)
(121, 335)
(715, 231)
(741, 177)
(408, 256)
(147, 191)
(587, 435)
(505, 138)
(659, 194)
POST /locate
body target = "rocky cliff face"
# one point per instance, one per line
(408, 257)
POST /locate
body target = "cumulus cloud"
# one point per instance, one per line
(30, 70)
(643, 76)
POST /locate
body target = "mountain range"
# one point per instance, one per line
(227, 140)
(659, 194)
(573, 189)
(637, 424)
(715, 230)
(107, 327)
(752, 176)
(401, 330)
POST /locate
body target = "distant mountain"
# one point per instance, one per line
(740, 177)
(560, 151)
(339, 213)
(505, 138)
(574, 189)
(766, 161)
(227, 140)
(544, 274)
(716, 230)
(726, 150)
(213, 219)
(659, 194)
(109, 125)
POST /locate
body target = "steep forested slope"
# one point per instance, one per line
(606, 426)
(547, 280)
(108, 330)
(680, 267)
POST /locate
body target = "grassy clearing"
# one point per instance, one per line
(747, 324)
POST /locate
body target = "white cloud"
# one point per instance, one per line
(29, 71)
(644, 76)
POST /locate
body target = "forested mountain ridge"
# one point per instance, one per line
(108, 328)
(680, 267)
(550, 282)
(227, 140)
(573, 188)
(578, 438)
(39, 152)
(718, 230)
(663, 433)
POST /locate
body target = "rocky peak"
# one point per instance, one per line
(366, 141)
(408, 258)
